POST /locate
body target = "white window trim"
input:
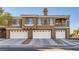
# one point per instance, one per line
(28, 24)
(15, 25)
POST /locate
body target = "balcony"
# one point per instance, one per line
(61, 22)
(61, 25)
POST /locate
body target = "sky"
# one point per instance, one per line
(72, 11)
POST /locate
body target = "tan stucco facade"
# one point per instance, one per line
(43, 26)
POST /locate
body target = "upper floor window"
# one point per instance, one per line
(29, 21)
(15, 22)
(39, 21)
(50, 21)
(42, 21)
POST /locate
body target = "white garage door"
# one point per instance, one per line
(18, 34)
(42, 34)
(60, 33)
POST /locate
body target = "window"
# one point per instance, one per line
(15, 22)
(50, 21)
(42, 21)
(29, 21)
(39, 21)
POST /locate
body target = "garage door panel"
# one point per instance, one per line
(60, 33)
(19, 34)
(41, 34)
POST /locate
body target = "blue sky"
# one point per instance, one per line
(72, 11)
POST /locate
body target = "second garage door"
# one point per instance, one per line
(40, 34)
(60, 33)
(18, 34)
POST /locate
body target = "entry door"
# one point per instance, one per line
(40, 34)
(60, 33)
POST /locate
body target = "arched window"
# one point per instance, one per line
(29, 21)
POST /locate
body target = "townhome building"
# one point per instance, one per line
(37, 27)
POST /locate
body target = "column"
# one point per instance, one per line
(68, 33)
(7, 34)
(30, 34)
(53, 33)
(23, 22)
(67, 23)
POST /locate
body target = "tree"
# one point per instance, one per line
(7, 17)
(1, 20)
(75, 32)
(1, 11)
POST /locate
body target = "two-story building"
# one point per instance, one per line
(38, 27)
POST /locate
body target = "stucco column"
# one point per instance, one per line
(7, 34)
(29, 34)
(68, 33)
(53, 33)
(54, 20)
(67, 23)
(23, 20)
(34, 21)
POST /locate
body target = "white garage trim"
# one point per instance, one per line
(60, 34)
(18, 34)
(42, 34)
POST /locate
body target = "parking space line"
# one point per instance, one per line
(52, 42)
(67, 42)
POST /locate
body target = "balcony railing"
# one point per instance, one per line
(61, 25)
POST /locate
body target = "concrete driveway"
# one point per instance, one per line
(14, 44)
(11, 41)
(39, 42)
